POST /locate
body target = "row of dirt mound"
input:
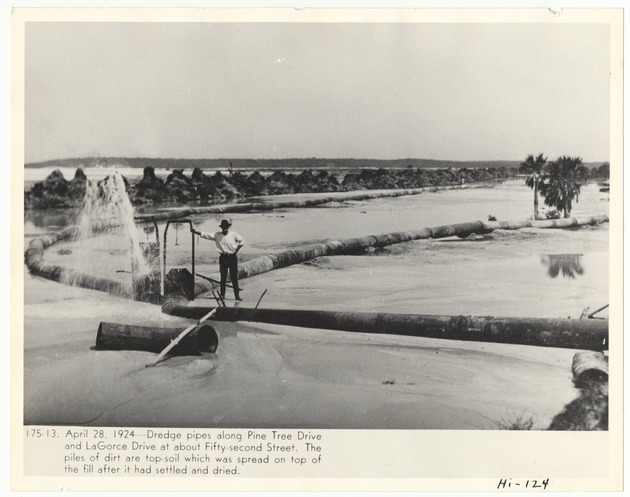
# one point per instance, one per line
(199, 188)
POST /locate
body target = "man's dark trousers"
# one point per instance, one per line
(229, 262)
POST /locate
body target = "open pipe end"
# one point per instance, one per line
(207, 338)
(99, 337)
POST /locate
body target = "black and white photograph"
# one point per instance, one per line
(290, 223)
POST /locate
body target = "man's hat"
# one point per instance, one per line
(225, 224)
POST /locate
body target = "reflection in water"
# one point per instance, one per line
(569, 264)
(51, 218)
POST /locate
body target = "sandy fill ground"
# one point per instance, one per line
(277, 376)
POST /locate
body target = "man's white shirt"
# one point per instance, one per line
(226, 244)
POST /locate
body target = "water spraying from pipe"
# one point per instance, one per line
(107, 214)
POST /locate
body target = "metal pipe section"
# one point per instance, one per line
(283, 204)
(589, 366)
(159, 246)
(192, 244)
(562, 333)
(163, 266)
(34, 260)
(113, 336)
(142, 283)
(589, 412)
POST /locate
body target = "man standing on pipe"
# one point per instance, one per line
(228, 244)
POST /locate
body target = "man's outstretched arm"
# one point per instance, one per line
(202, 234)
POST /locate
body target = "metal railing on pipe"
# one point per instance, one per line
(163, 258)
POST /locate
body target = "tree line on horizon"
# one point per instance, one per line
(559, 181)
(289, 163)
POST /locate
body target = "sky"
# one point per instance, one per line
(332, 90)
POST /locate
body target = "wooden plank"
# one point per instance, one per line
(216, 298)
(179, 337)
(257, 304)
(221, 299)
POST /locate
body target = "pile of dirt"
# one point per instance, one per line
(56, 192)
(150, 188)
(588, 412)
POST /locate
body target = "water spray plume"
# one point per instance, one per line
(106, 209)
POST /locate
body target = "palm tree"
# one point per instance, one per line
(533, 167)
(603, 171)
(569, 264)
(561, 182)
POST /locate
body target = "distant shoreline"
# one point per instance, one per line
(255, 164)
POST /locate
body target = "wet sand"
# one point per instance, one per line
(277, 376)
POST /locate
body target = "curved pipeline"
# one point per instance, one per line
(297, 255)
(283, 204)
(34, 260)
(36, 265)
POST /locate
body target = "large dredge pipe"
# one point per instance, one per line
(588, 334)
(313, 202)
(114, 336)
(304, 253)
(34, 260)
